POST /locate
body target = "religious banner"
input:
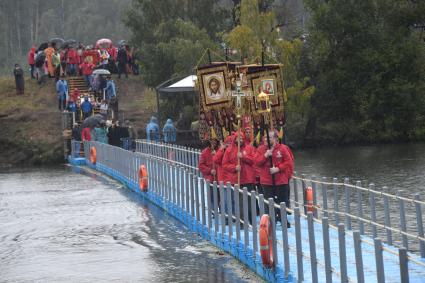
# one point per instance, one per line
(229, 98)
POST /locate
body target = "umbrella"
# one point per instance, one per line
(122, 42)
(43, 46)
(69, 42)
(104, 41)
(101, 72)
(57, 40)
(92, 121)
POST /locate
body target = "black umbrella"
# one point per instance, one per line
(69, 42)
(59, 41)
(43, 46)
(92, 121)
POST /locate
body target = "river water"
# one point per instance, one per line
(399, 166)
(57, 225)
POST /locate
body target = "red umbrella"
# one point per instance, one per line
(104, 42)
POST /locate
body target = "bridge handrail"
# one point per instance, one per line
(126, 162)
(198, 152)
(378, 193)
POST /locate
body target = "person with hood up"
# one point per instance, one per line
(206, 163)
(31, 61)
(72, 106)
(86, 108)
(86, 134)
(230, 165)
(62, 92)
(101, 133)
(110, 92)
(282, 169)
(152, 130)
(218, 158)
(19, 79)
(169, 132)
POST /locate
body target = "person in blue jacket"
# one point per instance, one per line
(86, 107)
(152, 130)
(62, 91)
(110, 92)
(169, 132)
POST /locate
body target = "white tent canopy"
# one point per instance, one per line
(186, 84)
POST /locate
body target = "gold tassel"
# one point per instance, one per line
(258, 137)
(225, 133)
(280, 135)
(213, 134)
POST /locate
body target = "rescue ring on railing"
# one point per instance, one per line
(92, 155)
(309, 199)
(143, 178)
(266, 241)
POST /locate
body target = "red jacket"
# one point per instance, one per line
(112, 52)
(75, 94)
(206, 164)
(87, 68)
(281, 158)
(217, 159)
(230, 161)
(72, 56)
(31, 54)
(85, 134)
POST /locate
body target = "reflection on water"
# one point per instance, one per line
(58, 226)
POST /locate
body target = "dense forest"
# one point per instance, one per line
(354, 71)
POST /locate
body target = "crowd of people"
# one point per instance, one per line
(68, 60)
(104, 132)
(262, 169)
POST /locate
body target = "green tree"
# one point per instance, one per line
(368, 66)
(257, 33)
(172, 34)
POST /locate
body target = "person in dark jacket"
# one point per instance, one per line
(86, 108)
(122, 60)
(113, 135)
(19, 79)
(76, 137)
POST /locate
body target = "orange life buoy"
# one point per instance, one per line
(266, 241)
(143, 178)
(93, 155)
(309, 199)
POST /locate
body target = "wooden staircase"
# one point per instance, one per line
(80, 83)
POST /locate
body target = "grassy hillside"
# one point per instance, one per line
(31, 123)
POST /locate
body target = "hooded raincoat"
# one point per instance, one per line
(152, 130)
(169, 132)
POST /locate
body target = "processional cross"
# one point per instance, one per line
(239, 94)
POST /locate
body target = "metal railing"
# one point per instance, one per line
(180, 155)
(310, 250)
